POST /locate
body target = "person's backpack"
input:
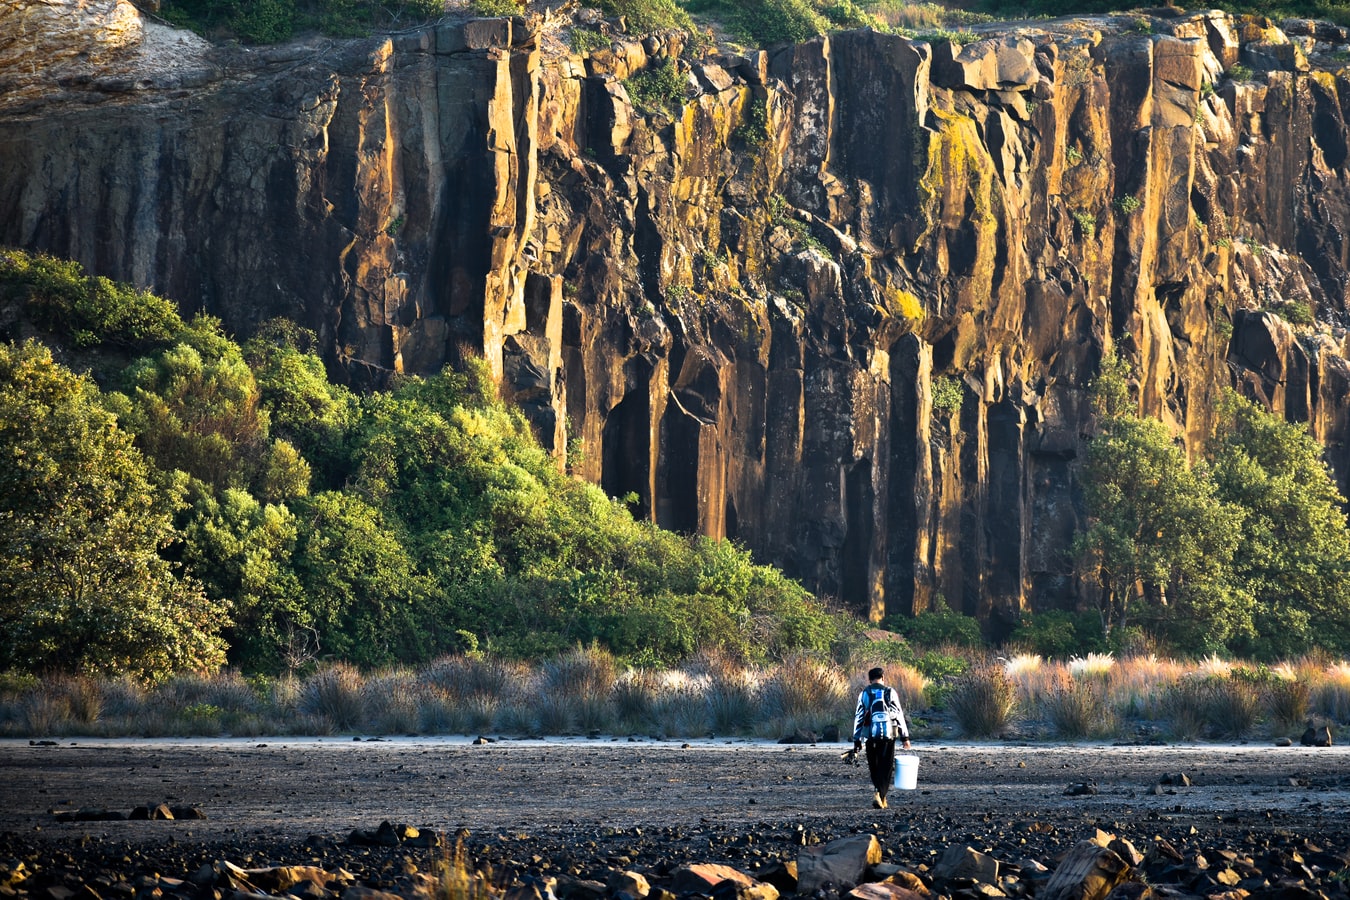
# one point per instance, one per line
(878, 717)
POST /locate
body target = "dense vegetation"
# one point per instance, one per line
(1244, 553)
(206, 495)
(192, 500)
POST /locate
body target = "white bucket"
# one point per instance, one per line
(906, 773)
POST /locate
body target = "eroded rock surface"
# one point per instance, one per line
(739, 309)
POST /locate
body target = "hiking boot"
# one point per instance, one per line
(878, 802)
(883, 801)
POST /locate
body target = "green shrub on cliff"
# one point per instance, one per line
(660, 86)
(87, 311)
(649, 15)
(271, 21)
(429, 520)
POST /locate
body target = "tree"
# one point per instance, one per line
(365, 598)
(305, 409)
(82, 585)
(1159, 541)
(1294, 549)
(241, 551)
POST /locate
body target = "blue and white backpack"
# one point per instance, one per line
(880, 724)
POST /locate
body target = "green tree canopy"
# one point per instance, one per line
(82, 585)
(1294, 549)
(1160, 542)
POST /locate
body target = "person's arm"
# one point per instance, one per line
(898, 714)
(859, 720)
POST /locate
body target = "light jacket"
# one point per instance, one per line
(887, 722)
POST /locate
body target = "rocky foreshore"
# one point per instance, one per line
(670, 821)
(765, 863)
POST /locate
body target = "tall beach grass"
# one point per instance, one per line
(586, 691)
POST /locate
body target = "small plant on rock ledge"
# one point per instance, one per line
(1128, 204)
(584, 41)
(660, 86)
(1294, 312)
(1086, 221)
(948, 393)
(494, 8)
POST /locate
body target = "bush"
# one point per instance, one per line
(583, 41)
(660, 86)
(768, 22)
(649, 15)
(984, 701)
(939, 628)
(1058, 634)
(89, 311)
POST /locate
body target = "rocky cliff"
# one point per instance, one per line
(840, 305)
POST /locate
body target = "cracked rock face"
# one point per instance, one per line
(742, 309)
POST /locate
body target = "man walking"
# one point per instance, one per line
(879, 721)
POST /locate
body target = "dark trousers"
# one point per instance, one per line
(881, 763)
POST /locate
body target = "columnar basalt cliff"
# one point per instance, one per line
(739, 310)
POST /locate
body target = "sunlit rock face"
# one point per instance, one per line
(841, 305)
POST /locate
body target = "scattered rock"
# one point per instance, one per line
(703, 877)
(883, 891)
(631, 883)
(1081, 789)
(842, 863)
(782, 876)
(966, 862)
(1316, 736)
(1088, 872)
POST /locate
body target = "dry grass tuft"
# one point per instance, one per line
(804, 689)
(1214, 667)
(335, 694)
(635, 696)
(1137, 686)
(1185, 705)
(1288, 700)
(1077, 708)
(1234, 706)
(44, 713)
(576, 691)
(1094, 665)
(456, 879)
(983, 701)
(1333, 693)
(680, 707)
(393, 702)
(912, 686)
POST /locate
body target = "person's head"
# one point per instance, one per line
(875, 674)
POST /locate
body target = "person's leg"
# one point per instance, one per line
(886, 762)
(876, 768)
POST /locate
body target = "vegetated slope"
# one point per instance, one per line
(304, 520)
